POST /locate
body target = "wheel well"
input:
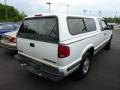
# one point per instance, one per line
(91, 51)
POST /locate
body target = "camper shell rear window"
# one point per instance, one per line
(43, 28)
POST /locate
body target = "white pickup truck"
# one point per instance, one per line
(56, 45)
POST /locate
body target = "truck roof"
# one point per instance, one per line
(62, 15)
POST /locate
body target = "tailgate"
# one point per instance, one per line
(38, 38)
(40, 51)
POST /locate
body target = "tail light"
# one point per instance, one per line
(13, 40)
(63, 51)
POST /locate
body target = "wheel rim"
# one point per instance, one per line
(86, 65)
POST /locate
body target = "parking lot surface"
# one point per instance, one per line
(104, 73)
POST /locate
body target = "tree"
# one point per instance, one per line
(12, 13)
(113, 20)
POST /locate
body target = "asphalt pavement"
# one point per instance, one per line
(104, 73)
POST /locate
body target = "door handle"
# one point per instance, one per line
(32, 45)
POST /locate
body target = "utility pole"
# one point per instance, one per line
(6, 16)
(99, 13)
(115, 16)
(49, 6)
(67, 8)
(84, 11)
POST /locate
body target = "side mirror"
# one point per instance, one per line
(111, 27)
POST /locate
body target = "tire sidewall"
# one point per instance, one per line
(86, 55)
(80, 72)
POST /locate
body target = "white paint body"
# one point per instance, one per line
(78, 44)
(5, 43)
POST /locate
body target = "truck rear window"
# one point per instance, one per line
(40, 28)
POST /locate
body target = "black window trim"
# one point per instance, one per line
(72, 17)
(36, 17)
(105, 23)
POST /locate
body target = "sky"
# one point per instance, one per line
(108, 8)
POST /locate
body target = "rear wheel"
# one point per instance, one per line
(84, 67)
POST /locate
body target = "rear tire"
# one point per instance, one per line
(84, 67)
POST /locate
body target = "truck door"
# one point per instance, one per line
(104, 28)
